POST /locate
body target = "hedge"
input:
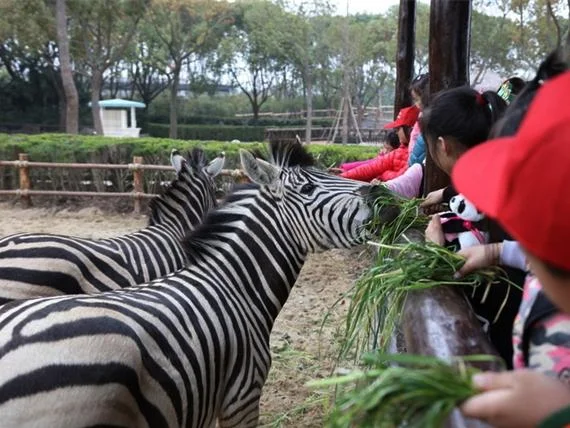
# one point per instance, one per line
(209, 132)
(95, 149)
(237, 121)
(85, 148)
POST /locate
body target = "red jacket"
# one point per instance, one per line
(386, 167)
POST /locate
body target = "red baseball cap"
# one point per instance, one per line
(406, 117)
(523, 181)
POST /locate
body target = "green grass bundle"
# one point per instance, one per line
(388, 205)
(378, 297)
(401, 390)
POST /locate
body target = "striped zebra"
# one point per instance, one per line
(38, 264)
(192, 348)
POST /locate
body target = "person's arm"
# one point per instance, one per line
(408, 185)
(511, 254)
(372, 169)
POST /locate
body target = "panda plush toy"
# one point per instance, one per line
(463, 224)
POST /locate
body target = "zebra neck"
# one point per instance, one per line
(250, 254)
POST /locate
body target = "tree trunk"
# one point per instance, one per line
(255, 107)
(173, 131)
(309, 95)
(449, 40)
(405, 54)
(71, 97)
(96, 84)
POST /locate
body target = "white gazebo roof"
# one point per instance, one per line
(120, 103)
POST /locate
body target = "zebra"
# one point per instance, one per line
(38, 264)
(190, 349)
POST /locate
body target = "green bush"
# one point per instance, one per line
(85, 148)
(210, 132)
(156, 151)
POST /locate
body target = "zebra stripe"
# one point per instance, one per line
(192, 348)
(37, 265)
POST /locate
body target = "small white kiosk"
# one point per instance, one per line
(114, 117)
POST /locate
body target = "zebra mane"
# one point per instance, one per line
(196, 160)
(289, 154)
(216, 219)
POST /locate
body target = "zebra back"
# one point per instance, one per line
(35, 265)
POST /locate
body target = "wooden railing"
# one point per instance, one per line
(25, 191)
(440, 322)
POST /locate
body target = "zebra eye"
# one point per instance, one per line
(308, 188)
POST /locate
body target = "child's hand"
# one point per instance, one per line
(516, 399)
(433, 198)
(434, 231)
(478, 257)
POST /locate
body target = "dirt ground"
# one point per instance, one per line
(301, 350)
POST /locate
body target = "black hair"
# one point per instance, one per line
(552, 66)
(407, 131)
(392, 139)
(463, 114)
(420, 84)
(517, 84)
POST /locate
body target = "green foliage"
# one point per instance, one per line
(414, 391)
(81, 148)
(210, 132)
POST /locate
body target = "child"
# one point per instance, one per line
(541, 334)
(394, 163)
(508, 190)
(391, 142)
(464, 118)
(419, 90)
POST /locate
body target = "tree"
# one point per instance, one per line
(187, 28)
(102, 33)
(71, 96)
(250, 53)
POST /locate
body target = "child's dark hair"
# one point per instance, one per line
(420, 85)
(552, 66)
(392, 139)
(463, 114)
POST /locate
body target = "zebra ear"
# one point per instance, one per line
(215, 167)
(177, 160)
(258, 170)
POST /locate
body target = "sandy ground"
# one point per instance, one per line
(301, 349)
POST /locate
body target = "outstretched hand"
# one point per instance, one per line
(478, 257)
(516, 399)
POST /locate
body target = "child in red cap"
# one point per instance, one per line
(394, 163)
(524, 187)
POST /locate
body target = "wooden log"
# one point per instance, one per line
(138, 187)
(405, 54)
(449, 42)
(439, 322)
(24, 173)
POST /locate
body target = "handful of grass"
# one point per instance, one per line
(421, 391)
(393, 215)
(378, 297)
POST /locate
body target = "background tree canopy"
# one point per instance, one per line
(186, 59)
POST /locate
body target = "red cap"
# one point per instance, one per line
(406, 117)
(523, 181)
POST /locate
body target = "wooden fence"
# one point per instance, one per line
(25, 191)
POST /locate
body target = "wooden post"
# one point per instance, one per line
(449, 43)
(138, 186)
(405, 54)
(24, 180)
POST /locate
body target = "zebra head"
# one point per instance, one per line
(318, 210)
(191, 195)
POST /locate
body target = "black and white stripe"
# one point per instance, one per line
(37, 265)
(193, 347)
